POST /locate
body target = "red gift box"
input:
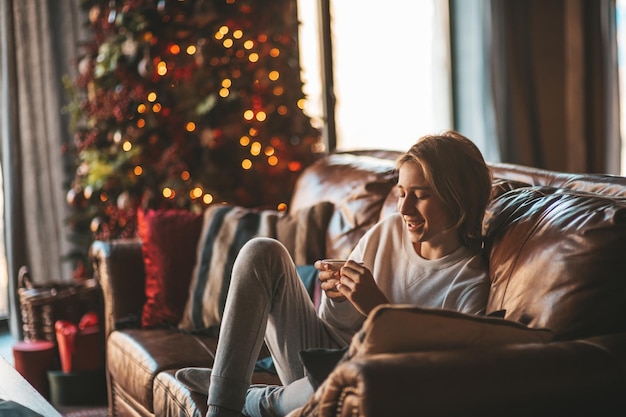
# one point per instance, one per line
(81, 347)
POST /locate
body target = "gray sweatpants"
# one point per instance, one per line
(266, 301)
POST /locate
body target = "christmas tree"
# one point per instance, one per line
(182, 104)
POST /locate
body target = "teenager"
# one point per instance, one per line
(428, 254)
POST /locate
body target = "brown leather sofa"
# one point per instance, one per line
(557, 250)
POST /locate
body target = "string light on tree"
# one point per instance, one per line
(181, 104)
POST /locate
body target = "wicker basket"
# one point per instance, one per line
(42, 306)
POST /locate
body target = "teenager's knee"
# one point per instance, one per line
(262, 247)
(261, 259)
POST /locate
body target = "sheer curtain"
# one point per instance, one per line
(39, 43)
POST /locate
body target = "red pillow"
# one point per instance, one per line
(170, 238)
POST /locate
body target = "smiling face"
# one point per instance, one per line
(454, 172)
(430, 224)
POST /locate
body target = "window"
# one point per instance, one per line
(390, 71)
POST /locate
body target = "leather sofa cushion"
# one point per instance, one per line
(553, 254)
(136, 356)
(171, 398)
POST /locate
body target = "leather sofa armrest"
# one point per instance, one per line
(119, 267)
(585, 377)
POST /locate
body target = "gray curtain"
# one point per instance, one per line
(473, 104)
(551, 83)
(39, 44)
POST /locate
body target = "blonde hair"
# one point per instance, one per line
(455, 170)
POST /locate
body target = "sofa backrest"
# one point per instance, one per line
(609, 185)
(357, 184)
(557, 250)
(557, 260)
(556, 241)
